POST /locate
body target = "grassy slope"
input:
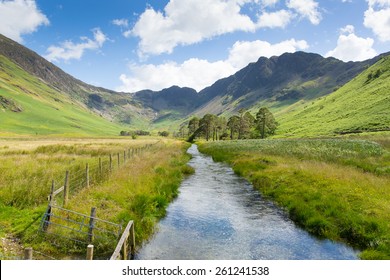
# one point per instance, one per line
(338, 189)
(360, 105)
(44, 110)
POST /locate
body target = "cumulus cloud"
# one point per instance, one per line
(269, 2)
(20, 17)
(377, 18)
(198, 73)
(351, 47)
(242, 53)
(306, 8)
(193, 21)
(69, 50)
(276, 19)
(195, 73)
(188, 22)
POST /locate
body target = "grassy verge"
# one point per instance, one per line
(337, 189)
(139, 190)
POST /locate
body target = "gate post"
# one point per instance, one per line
(91, 224)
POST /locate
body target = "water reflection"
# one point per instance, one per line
(219, 215)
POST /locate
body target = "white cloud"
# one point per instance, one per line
(347, 29)
(379, 3)
(195, 73)
(69, 50)
(20, 17)
(377, 17)
(242, 53)
(198, 73)
(188, 22)
(276, 19)
(351, 47)
(269, 2)
(306, 8)
(121, 22)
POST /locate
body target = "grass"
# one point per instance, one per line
(30, 107)
(139, 190)
(360, 105)
(334, 188)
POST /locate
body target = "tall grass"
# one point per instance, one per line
(323, 184)
(26, 174)
(367, 155)
(139, 190)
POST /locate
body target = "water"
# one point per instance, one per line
(219, 215)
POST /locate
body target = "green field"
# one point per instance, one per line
(334, 188)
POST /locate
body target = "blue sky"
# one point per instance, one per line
(129, 45)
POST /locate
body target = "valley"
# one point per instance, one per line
(325, 165)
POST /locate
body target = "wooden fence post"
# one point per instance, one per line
(124, 250)
(90, 252)
(100, 167)
(91, 224)
(110, 162)
(28, 253)
(124, 156)
(52, 192)
(132, 241)
(66, 187)
(118, 160)
(48, 211)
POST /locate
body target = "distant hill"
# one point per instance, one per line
(279, 81)
(361, 105)
(115, 106)
(181, 100)
(276, 82)
(28, 106)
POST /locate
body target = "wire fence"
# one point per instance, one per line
(59, 223)
(82, 176)
(80, 228)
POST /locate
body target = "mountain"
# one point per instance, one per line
(182, 100)
(361, 105)
(114, 106)
(29, 106)
(36, 93)
(279, 81)
(276, 82)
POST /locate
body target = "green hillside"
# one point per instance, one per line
(29, 106)
(362, 105)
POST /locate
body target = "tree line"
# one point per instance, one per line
(241, 126)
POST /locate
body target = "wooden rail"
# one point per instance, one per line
(124, 245)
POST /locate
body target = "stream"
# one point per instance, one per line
(219, 215)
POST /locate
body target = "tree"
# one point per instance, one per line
(246, 123)
(193, 125)
(233, 124)
(208, 124)
(265, 122)
(163, 133)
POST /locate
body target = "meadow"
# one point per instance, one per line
(334, 188)
(137, 189)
